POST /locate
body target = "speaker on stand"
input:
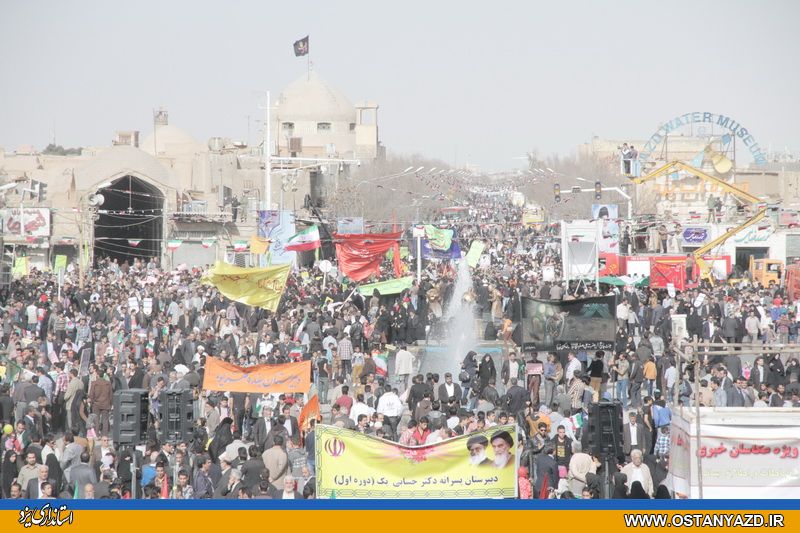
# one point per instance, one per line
(176, 416)
(604, 435)
(130, 418)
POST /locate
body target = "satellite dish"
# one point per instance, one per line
(325, 266)
(96, 200)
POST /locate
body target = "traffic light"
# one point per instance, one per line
(38, 191)
(557, 192)
(598, 190)
(32, 191)
(41, 191)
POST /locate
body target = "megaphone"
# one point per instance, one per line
(96, 200)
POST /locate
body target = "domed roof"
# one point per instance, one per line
(311, 98)
(170, 139)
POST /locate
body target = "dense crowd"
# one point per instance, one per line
(137, 326)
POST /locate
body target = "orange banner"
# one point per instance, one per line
(222, 376)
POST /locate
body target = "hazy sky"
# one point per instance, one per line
(480, 81)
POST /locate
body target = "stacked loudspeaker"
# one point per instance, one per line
(177, 416)
(604, 432)
(131, 412)
(130, 416)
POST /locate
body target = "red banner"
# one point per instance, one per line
(360, 255)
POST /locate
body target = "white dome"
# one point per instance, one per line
(310, 98)
(170, 139)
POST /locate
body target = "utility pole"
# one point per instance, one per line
(22, 213)
(80, 245)
(268, 155)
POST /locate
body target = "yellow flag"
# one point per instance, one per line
(21, 267)
(259, 287)
(258, 245)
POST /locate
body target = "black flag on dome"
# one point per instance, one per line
(301, 47)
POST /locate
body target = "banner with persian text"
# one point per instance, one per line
(288, 378)
(752, 449)
(478, 465)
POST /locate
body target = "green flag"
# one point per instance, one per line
(392, 286)
(439, 239)
(474, 254)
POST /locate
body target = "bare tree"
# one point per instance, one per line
(400, 189)
(543, 174)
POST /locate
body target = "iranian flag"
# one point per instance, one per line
(134, 242)
(296, 355)
(381, 362)
(208, 243)
(240, 246)
(174, 244)
(577, 421)
(308, 239)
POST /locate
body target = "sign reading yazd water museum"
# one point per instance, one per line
(759, 157)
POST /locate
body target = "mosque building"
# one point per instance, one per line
(168, 195)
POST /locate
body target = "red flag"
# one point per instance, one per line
(310, 410)
(545, 490)
(396, 261)
(164, 488)
(360, 255)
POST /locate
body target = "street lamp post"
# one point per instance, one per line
(81, 220)
(268, 155)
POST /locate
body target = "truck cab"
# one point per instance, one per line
(766, 271)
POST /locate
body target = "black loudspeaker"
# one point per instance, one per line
(130, 416)
(177, 416)
(604, 432)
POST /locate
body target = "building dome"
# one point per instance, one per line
(170, 139)
(311, 98)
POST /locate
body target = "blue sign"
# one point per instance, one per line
(695, 235)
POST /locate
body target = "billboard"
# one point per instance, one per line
(37, 223)
(278, 227)
(584, 324)
(580, 249)
(607, 214)
(477, 465)
(751, 449)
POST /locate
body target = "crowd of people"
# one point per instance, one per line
(138, 326)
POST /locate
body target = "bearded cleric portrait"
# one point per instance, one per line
(477, 451)
(502, 444)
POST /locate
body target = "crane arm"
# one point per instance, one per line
(705, 268)
(675, 166)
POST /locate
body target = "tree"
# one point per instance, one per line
(57, 149)
(382, 192)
